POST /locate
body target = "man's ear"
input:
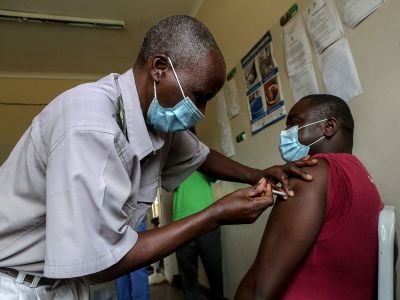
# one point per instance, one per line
(330, 127)
(159, 64)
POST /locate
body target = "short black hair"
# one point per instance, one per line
(328, 106)
(182, 38)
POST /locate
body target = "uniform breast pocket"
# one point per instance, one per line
(126, 153)
(145, 198)
(148, 190)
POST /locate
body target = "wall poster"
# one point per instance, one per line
(263, 89)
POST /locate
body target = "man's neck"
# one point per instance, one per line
(141, 87)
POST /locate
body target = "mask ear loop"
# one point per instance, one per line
(313, 123)
(176, 76)
(154, 87)
(322, 137)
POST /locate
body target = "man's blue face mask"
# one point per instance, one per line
(290, 147)
(184, 115)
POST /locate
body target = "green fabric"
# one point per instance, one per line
(193, 195)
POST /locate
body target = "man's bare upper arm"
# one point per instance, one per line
(291, 230)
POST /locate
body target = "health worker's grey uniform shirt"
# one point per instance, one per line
(73, 189)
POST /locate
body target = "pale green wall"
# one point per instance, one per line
(14, 120)
(375, 44)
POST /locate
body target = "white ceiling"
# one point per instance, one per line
(29, 48)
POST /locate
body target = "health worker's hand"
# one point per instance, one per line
(279, 175)
(243, 206)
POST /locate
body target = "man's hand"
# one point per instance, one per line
(243, 206)
(223, 168)
(279, 175)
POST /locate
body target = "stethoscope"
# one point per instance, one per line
(121, 120)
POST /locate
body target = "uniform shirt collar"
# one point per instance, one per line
(141, 138)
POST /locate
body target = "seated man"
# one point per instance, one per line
(323, 242)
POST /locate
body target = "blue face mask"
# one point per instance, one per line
(290, 147)
(184, 115)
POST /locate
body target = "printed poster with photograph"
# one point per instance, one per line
(263, 89)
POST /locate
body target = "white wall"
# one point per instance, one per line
(375, 44)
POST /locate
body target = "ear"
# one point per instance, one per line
(330, 127)
(159, 64)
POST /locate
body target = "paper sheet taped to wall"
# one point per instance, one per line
(323, 24)
(225, 127)
(339, 72)
(354, 11)
(231, 98)
(296, 48)
(304, 83)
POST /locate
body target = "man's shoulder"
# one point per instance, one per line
(320, 169)
(331, 165)
(89, 106)
(85, 101)
(318, 184)
(91, 92)
(338, 156)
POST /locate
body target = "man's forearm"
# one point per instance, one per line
(153, 245)
(243, 206)
(221, 167)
